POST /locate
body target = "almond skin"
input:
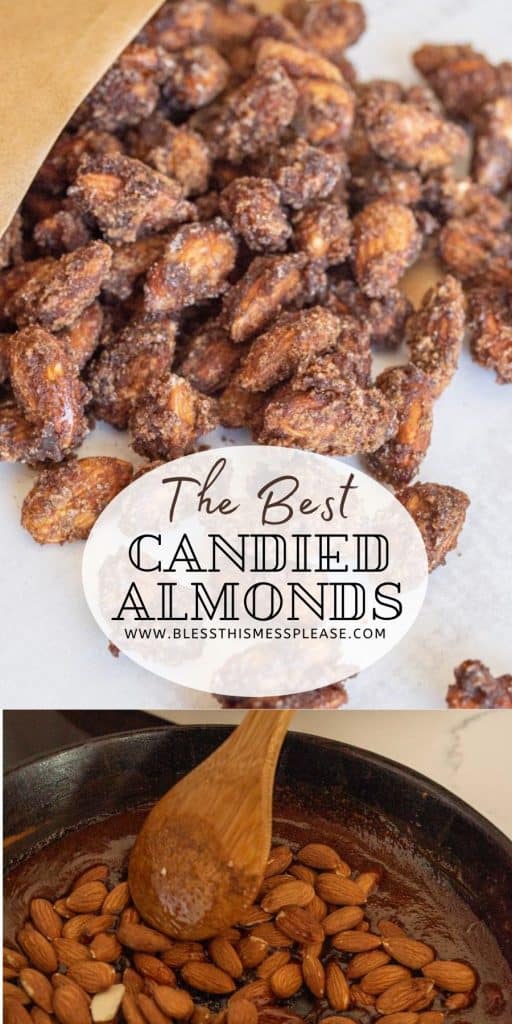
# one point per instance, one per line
(403, 995)
(336, 987)
(131, 1012)
(105, 947)
(37, 987)
(207, 978)
(174, 1002)
(314, 975)
(257, 992)
(293, 893)
(97, 873)
(299, 925)
(87, 898)
(91, 975)
(142, 939)
(13, 958)
(320, 856)
(45, 919)
(252, 951)
(272, 963)
(342, 920)
(152, 967)
(150, 1010)
(381, 978)
(225, 956)
(363, 963)
(338, 890)
(409, 952)
(356, 942)
(286, 981)
(280, 858)
(70, 1005)
(405, 1017)
(69, 951)
(15, 1013)
(117, 899)
(38, 950)
(451, 975)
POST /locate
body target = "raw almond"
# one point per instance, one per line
(207, 978)
(409, 952)
(272, 882)
(338, 890)
(45, 919)
(37, 987)
(92, 975)
(105, 1005)
(97, 873)
(13, 958)
(360, 998)
(253, 915)
(272, 936)
(278, 861)
(152, 967)
(356, 941)
(105, 947)
(314, 975)
(336, 987)
(142, 939)
(202, 1015)
(179, 953)
(337, 1020)
(74, 927)
(451, 975)
(69, 951)
(286, 981)
(70, 1005)
(319, 856)
(272, 963)
(150, 1010)
(60, 907)
(241, 1011)
(403, 995)
(15, 1013)
(130, 1010)
(342, 920)
(304, 873)
(87, 898)
(225, 956)
(252, 951)
(368, 881)
(363, 963)
(117, 899)
(289, 894)
(299, 925)
(38, 950)
(381, 978)
(174, 1002)
(391, 930)
(457, 1001)
(99, 923)
(9, 973)
(39, 1016)
(11, 991)
(132, 981)
(278, 1015)
(317, 908)
(257, 992)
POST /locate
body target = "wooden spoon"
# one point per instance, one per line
(199, 858)
(52, 55)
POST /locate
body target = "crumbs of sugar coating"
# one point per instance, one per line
(386, 241)
(195, 266)
(60, 290)
(289, 344)
(269, 284)
(128, 199)
(209, 357)
(20, 441)
(168, 421)
(373, 178)
(476, 687)
(323, 232)
(410, 392)
(66, 500)
(253, 208)
(439, 512)
(434, 333)
(121, 374)
(472, 246)
(490, 329)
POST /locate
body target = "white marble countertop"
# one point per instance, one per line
(468, 752)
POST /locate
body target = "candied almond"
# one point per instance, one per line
(386, 241)
(194, 266)
(439, 512)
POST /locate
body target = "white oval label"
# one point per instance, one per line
(255, 571)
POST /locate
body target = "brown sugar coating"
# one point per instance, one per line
(386, 241)
(254, 116)
(194, 266)
(253, 208)
(384, 318)
(439, 513)
(20, 441)
(323, 232)
(492, 158)
(59, 168)
(472, 247)
(289, 344)
(412, 136)
(130, 263)
(410, 392)
(449, 197)
(461, 77)
(298, 61)
(121, 374)
(83, 336)
(66, 500)
(176, 25)
(338, 418)
(325, 111)
(374, 178)
(330, 26)
(239, 407)
(180, 153)
(434, 332)
(326, 697)
(269, 284)
(59, 291)
(199, 74)
(302, 172)
(127, 93)
(169, 419)
(128, 199)
(476, 687)
(63, 231)
(209, 358)
(351, 359)
(490, 329)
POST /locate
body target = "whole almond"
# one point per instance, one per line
(69, 951)
(142, 939)
(336, 987)
(129, 916)
(319, 856)
(39, 1016)
(207, 978)
(92, 975)
(342, 920)
(99, 923)
(304, 873)
(299, 925)
(13, 958)
(60, 907)
(391, 930)
(253, 915)
(451, 975)
(338, 890)
(252, 951)
(241, 1011)
(202, 1015)
(117, 899)
(152, 967)
(257, 992)
(363, 963)
(45, 919)
(38, 950)
(105, 947)
(132, 981)
(174, 1002)
(271, 935)
(360, 998)
(409, 952)
(9, 973)
(130, 1010)
(70, 1005)
(317, 908)
(272, 963)
(37, 987)
(286, 981)
(289, 894)
(74, 927)
(11, 991)
(225, 956)
(105, 1005)
(278, 1015)
(403, 995)
(96, 873)
(356, 941)
(457, 1001)
(278, 861)
(272, 882)
(179, 953)
(368, 881)
(15, 1013)
(150, 1010)
(88, 898)
(381, 978)
(314, 975)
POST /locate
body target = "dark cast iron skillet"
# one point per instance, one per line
(323, 789)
